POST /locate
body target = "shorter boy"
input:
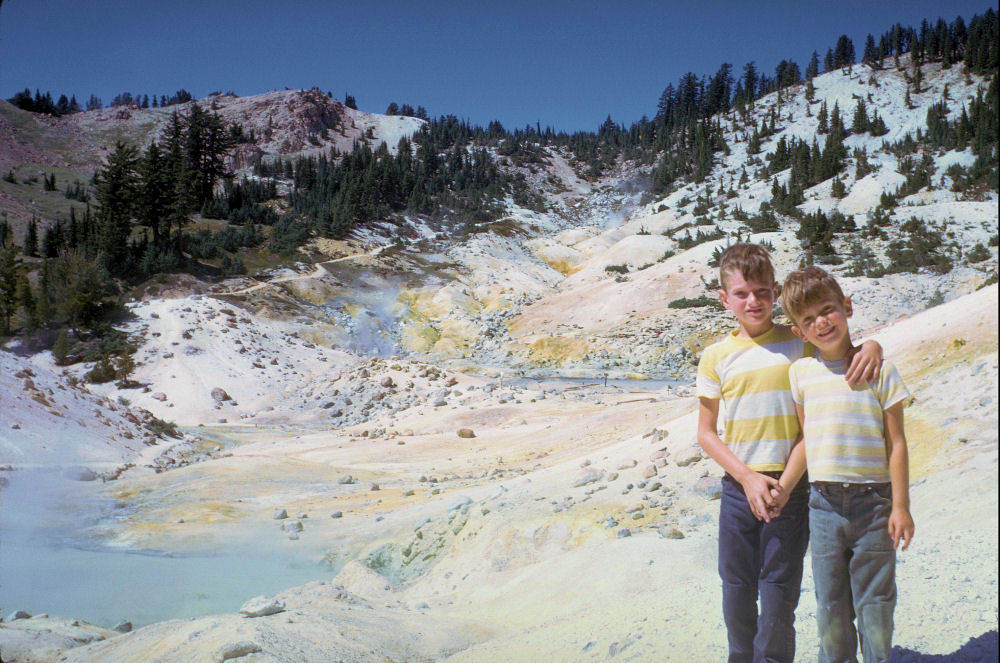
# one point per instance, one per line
(858, 467)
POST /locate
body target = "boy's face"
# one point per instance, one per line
(750, 301)
(824, 324)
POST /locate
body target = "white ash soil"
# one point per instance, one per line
(489, 550)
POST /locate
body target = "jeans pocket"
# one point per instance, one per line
(882, 492)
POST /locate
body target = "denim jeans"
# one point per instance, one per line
(765, 559)
(854, 568)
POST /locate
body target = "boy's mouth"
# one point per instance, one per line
(826, 333)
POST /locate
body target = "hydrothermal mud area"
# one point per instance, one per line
(51, 560)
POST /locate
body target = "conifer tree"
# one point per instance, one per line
(117, 188)
(31, 239)
(859, 125)
(10, 277)
(812, 69)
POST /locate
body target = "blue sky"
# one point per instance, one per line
(563, 64)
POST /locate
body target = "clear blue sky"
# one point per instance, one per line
(566, 64)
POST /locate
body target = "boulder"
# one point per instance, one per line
(689, 456)
(709, 487)
(591, 476)
(79, 473)
(466, 432)
(220, 395)
(670, 532)
(261, 606)
(237, 650)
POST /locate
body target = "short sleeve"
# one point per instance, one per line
(891, 388)
(707, 383)
(793, 381)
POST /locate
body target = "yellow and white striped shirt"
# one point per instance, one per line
(843, 425)
(750, 375)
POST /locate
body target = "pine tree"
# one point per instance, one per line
(32, 320)
(31, 239)
(812, 69)
(117, 188)
(10, 277)
(822, 120)
(859, 125)
(62, 347)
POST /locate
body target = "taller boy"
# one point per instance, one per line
(760, 550)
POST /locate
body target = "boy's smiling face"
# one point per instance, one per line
(824, 324)
(750, 301)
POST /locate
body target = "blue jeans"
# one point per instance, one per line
(854, 568)
(765, 559)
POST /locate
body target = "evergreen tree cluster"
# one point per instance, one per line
(441, 171)
(182, 96)
(407, 110)
(42, 103)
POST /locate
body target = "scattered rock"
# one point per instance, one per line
(261, 606)
(624, 533)
(649, 472)
(466, 432)
(689, 456)
(237, 650)
(79, 473)
(159, 396)
(292, 526)
(280, 514)
(17, 614)
(709, 487)
(589, 477)
(124, 626)
(670, 532)
(337, 514)
(220, 395)
(346, 479)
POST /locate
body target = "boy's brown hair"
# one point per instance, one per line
(749, 260)
(805, 287)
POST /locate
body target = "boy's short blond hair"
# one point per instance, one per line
(805, 287)
(750, 260)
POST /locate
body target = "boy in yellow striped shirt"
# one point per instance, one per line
(855, 450)
(763, 525)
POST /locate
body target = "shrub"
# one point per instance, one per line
(103, 371)
(617, 269)
(978, 253)
(695, 302)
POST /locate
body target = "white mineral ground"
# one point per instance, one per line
(501, 547)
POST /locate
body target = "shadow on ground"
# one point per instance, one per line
(981, 649)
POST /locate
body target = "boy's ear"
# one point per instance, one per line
(723, 298)
(798, 332)
(848, 307)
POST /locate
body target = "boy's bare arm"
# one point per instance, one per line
(757, 486)
(900, 521)
(866, 363)
(795, 467)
